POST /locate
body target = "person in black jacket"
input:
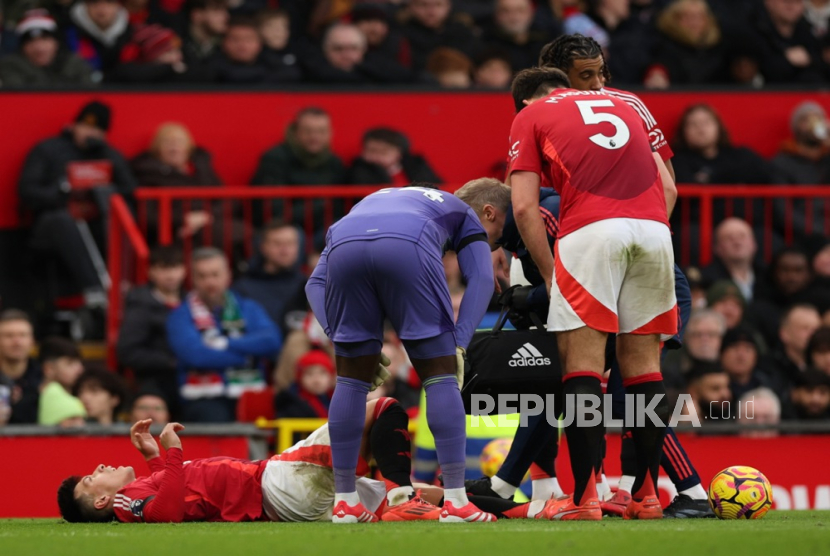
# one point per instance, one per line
(788, 52)
(385, 159)
(512, 32)
(142, 341)
(431, 25)
(704, 155)
(46, 184)
(274, 279)
(346, 60)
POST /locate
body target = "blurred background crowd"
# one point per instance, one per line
(455, 44)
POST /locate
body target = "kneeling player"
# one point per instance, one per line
(296, 485)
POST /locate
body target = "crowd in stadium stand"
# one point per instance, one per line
(456, 44)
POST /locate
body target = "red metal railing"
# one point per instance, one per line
(779, 215)
(127, 256)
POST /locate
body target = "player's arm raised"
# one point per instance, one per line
(525, 199)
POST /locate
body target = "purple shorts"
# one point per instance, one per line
(388, 278)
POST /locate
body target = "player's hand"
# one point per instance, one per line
(169, 438)
(142, 439)
(382, 373)
(460, 355)
(501, 268)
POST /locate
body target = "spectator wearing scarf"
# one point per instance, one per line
(221, 341)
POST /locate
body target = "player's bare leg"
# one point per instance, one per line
(447, 421)
(639, 360)
(347, 419)
(582, 352)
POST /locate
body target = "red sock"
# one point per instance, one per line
(537, 473)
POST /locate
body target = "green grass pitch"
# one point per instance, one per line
(793, 532)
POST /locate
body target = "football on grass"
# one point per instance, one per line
(740, 492)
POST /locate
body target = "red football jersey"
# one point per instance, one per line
(593, 148)
(655, 134)
(210, 489)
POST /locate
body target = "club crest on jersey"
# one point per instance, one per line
(514, 151)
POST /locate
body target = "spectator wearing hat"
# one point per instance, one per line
(451, 68)
(149, 404)
(431, 25)
(310, 395)
(346, 59)
(49, 179)
(735, 251)
(708, 389)
(810, 397)
(804, 158)
(62, 365)
(739, 359)
(102, 392)
(207, 24)
(278, 48)
(98, 30)
(788, 50)
(493, 70)
(241, 59)
(512, 32)
(154, 55)
(382, 38)
(142, 340)
(40, 61)
(385, 158)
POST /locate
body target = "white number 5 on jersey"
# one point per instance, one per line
(621, 132)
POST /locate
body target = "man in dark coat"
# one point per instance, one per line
(386, 159)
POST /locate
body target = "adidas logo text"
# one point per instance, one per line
(528, 356)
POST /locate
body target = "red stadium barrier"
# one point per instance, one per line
(779, 215)
(794, 464)
(127, 261)
(461, 134)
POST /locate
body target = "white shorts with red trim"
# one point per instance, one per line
(616, 276)
(298, 484)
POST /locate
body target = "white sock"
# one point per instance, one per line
(603, 488)
(458, 496)
(502, 487)
(399, 495)
(545, 489)
(626, 483)
(535, 507)
(351, 498)
(695, 493)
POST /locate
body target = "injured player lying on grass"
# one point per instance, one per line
(296, 485)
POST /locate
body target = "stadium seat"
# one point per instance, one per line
(253, 405)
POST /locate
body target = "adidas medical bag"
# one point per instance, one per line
(511, 362)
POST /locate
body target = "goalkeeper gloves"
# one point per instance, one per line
(382, 373)
(460, 355)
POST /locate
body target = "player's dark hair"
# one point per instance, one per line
(680, 137)
(562, 52)
(536, 82)
(78, 509)
(166, 256)
(55, 347)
